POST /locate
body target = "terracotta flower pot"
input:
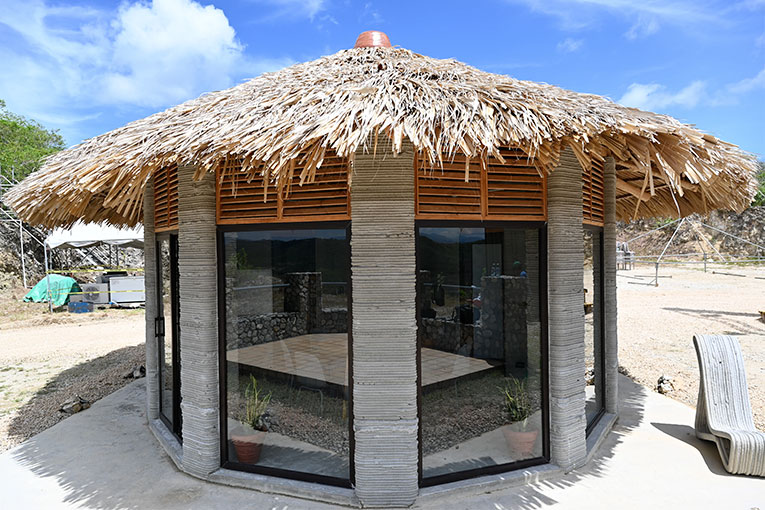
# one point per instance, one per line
(521, 442)
(248, 446)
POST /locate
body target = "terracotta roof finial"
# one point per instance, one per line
(372, 39)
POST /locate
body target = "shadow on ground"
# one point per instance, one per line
(87, 476)
(106, 458)
(707, 450)
(734, 320)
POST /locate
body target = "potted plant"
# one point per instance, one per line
(249, 436)
(517, 405)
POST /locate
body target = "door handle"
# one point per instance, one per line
(159, 326)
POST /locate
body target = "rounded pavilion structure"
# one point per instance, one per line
(378, 271)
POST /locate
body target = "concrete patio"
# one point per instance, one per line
(107, 458)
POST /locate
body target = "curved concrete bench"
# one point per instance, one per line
(723, 412)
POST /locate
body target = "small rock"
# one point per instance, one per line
(589, 377)
(665, 385)
(138, 372)
(75, 405)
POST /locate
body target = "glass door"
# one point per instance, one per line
(168, 333)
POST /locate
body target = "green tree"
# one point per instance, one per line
(759, 198)
(23, 144)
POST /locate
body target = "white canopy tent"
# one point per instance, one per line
(85, 235)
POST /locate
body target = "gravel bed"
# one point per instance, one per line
(452, 414)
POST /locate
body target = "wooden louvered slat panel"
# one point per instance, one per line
(443, 192)
(326, 195)
(506, 190)
(324, 199)
(593, 198)
(514, 188)
(166, 199)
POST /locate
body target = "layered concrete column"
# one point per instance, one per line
(199, 322)
(609, 276)
(384, 327)
(565, 262)
(150, 289)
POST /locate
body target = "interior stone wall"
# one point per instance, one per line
(303, 314)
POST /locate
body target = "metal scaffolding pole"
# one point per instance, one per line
(47, 278)
(21, 255)
(656, 281)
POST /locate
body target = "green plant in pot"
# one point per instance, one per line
(517, 406)
(249, 436)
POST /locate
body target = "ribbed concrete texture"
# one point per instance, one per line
(150, 287)
(384, 327)
(565, 261)
(724, 412)
(609, 277)
(199, 322)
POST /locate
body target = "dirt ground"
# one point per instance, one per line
(657, 324)
(46, 360)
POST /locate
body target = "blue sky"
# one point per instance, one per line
(87, 67)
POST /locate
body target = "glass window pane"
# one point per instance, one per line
(286, 299)
(165, 342)
(593, 326)
(480, 347)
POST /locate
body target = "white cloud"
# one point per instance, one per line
(749, 84)
(293, 8)
(643, 27)
(67, 61)
(653, 96)
(645, 16)
(370, 14)
(570, 45)
(168, 50)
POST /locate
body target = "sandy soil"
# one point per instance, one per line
(656, 325)
(46, 360)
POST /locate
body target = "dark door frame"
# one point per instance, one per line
(600, 378)
(176, 426)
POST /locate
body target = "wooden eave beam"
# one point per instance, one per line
(632, 190)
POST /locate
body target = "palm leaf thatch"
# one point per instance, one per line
(346, 101)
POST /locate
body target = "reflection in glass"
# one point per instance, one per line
(165, 342)
(480, 347)
(286, 341)
(593, 325)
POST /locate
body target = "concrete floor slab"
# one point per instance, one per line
(106, 458)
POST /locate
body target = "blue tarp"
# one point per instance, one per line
(60, 287)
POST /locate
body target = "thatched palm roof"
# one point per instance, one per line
(347, 100)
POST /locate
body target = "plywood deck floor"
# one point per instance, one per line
(324, 357)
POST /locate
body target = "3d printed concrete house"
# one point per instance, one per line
(380, 259)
